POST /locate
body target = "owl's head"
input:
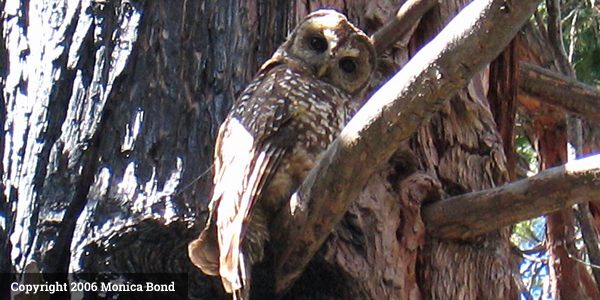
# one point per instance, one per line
(333, 49)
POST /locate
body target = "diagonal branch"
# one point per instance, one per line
(551, 190)
(402, 24)
(392, 115)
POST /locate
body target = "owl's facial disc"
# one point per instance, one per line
(332, 49)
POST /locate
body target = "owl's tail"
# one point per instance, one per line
(204, 252)
(237, 280)
(234, 263)
(243, 293)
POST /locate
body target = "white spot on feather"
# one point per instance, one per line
(331, 36)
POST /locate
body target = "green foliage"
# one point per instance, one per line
(581, 33)
(526, 152)
(529, 234)
(581, 36)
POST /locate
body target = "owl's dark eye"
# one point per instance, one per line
(347, 65)
(318, 43)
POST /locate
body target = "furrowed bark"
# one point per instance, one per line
(391, 116)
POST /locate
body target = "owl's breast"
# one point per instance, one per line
(313, 126)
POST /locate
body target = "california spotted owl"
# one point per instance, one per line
(274, 134)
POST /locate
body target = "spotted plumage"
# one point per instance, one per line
(273, 136)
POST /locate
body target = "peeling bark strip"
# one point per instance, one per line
(392, 115)
(476, 213)
(559, 90)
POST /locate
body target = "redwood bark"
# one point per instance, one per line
(502, 97)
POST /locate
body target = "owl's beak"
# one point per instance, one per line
(323, 70)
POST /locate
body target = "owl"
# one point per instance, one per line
(275, 133)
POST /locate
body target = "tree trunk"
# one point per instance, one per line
(466, 155)
(110, 109)
(111, 112)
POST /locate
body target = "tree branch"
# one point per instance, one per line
(559, 90)
(404, 21)
(590, 236)
(551, 190)
(391, 116)
(555, 38)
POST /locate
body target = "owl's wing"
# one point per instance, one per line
(245, 157)
(238, 190)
